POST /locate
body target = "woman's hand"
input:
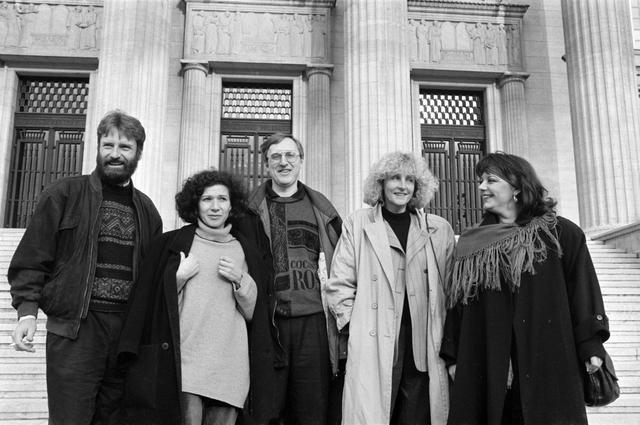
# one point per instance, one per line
(188, 268)
(593, 364)
(228, 269)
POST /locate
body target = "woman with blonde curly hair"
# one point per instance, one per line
(386, 290)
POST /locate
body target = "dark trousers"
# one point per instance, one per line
(409, 386)
(84, 385)
(302, 388)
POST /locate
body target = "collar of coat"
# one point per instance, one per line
(383, 239)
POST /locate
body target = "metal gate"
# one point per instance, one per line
(48, 141)
(457, 200)
(453, 141)
(250, 113)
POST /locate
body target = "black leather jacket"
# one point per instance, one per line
(53, 266)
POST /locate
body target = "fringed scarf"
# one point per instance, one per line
(485, 253)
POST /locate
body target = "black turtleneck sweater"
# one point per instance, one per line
(399, 224)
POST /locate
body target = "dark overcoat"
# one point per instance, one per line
(554, 323)
(149, 347)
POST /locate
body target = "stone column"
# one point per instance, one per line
(378, 101)
(603, 95)
(318, 142)
(9, 87)
(133, 76)
(194, 143)
(514, 117)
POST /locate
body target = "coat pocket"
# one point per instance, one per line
(141, 378)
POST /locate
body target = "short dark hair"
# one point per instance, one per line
(187, 199)
(125, 124)
(276, 138)
(532, 199)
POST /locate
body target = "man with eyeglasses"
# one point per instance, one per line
(294, 367)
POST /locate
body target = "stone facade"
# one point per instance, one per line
(356, 69)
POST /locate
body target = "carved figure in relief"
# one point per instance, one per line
(318, 36)
(423, 40)
(224, 32)
(491, 44)
(5, 16)
(308, 30)
(412, 39)
(211, 33)
(13, 25)
(477, 35)
(88, 28)
(513, 44)
(502, 45)
(26, 16)
(197, 33)
(435, 41)
(282, 29)
(235, 33)
(297, 35)
(73, 30)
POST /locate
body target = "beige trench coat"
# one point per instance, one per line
(366, 289)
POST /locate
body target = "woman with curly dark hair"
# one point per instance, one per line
(185, 337)
(526, 314)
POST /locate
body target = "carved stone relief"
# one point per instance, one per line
(255, 35)
(473, 43)
(42, 26)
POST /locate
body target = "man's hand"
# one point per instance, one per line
(23, 335)
(452, 372)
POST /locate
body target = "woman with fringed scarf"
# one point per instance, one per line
(526, 315)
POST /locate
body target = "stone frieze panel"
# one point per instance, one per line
(478, 44)
(52, 29)
(264, 35)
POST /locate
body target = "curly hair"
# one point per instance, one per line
(532, 199)
(187, 199)
(405, 163)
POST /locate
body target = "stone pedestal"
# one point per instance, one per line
(604, 109)
(194, 143)
(318, 141)
(378, 102)
(514, 117)
(133, 76)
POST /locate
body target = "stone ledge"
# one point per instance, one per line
(625, 237)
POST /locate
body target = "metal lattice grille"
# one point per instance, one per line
(53, 96)
(256, 102)
(460, 109)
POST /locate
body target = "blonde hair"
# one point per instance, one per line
(405, 163)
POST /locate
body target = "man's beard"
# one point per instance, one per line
(116, 176)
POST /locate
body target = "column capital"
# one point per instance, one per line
(326, 69)
(511, 77)
(188, 65)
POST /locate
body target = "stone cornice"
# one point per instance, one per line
(477, 8)
(306, 3)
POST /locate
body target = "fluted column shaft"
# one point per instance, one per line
(514, 117)
(604, 110)
(194, 144)
(318, 143)
(133, 76)
(378, 104)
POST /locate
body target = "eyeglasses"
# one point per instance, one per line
(291, 157)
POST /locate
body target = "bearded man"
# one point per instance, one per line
(78, 261)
